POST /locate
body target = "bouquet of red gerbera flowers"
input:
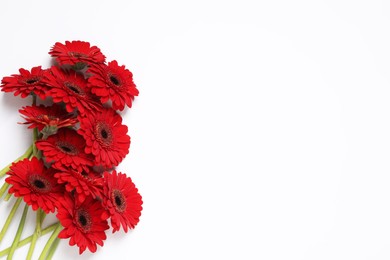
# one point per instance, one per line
(78, 140)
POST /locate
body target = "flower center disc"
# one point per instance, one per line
(32, 81)
(77, 54)
(83, 220)
(114, 80)
(39, 183)
(119, 200)
(66, 148)
(103, 134)
(74, 88)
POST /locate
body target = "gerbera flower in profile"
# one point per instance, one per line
(83, 183)
(82, 222)
(113, 82)
(76, 53)
(37, 185)
(26, 83)
(106, 138)
(71, 88)
(122, 201)
(47, 116)
(65, 149)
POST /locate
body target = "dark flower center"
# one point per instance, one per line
(119, 200)
(83, 220)
(84, 174)
(74, 88)
(114, 80)
(77, 54)
(103, 134)
(46, 117)
(67, 148)
(32, 81)
(39, 183)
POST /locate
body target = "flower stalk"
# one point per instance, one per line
(50, 242)
(36, 235)
(9, 219)
(18, 234)
(28, 239)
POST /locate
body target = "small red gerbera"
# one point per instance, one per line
(65, 149)
(70, 88)
(52, 116)
(26, 83)
(37, 185)
(122, 201)
(82, 222)
(76, 52)
(113, 82)
(106, 138)
(83, 183)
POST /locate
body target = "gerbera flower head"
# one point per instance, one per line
(65, 149)
(77, 53)
(71, 88)
(25, 83)
(106, 137)
(52, 117)
(113, 82)
(82, 222)
(36, 184)
(122, 201)
(83, 183)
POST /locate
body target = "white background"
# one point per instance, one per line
(261, 130)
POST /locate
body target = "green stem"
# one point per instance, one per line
(36, 235)
(35, 138)
(25, 155)
(28, 239)
(18, 234)
(7, 197)
(3, 189)
(53, 249)
(9, 219)
(43, 215)
(50, 241)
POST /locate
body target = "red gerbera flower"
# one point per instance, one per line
(70, 88)
(83, 183)
(82, 222)
(122, 201)
(76, 52)
(106, 138)
(52, 116)
(65, 149)
(37, 185)
(26, 83)
(113, 83)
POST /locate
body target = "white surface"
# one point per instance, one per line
(261, 130)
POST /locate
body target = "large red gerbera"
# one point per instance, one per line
(71, 88)
(106, 138)
(65, 149)
(26, 83)
(83, 183)
(76, 52)
(51, 116)
(82, 222)
(37, 185)
(113, 82)
(122, 201)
